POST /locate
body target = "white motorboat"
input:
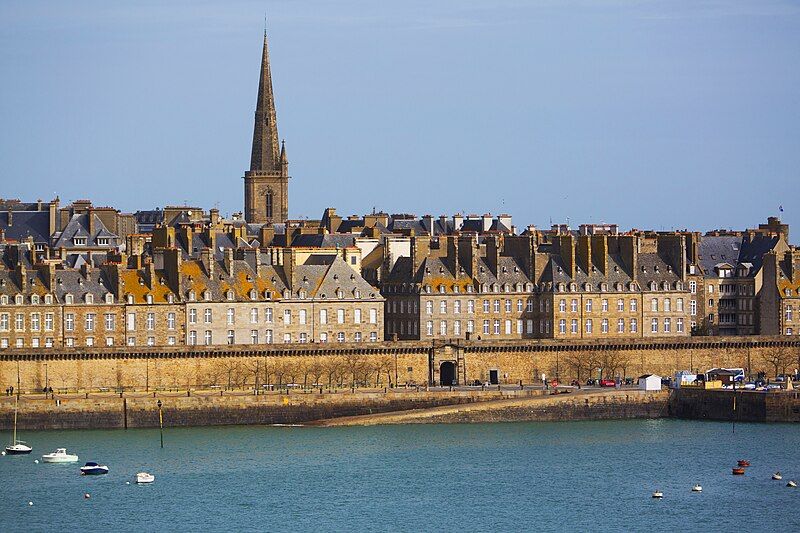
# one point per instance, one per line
(777, 476)
(658, 494)
(59, 456)
(791, 484)
(144, 477)
(697, 488)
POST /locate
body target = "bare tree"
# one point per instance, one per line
(576, 363)
(316, 368)
(779, 358)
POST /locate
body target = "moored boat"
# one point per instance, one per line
(93, 469)
(738, 471)
(743, 462)
(658, 494)
(777, 476)
(791, 484)
(18, 448)
(144, 477)
(697, 488)
(59, 456)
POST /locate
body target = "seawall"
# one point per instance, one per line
(738, 406)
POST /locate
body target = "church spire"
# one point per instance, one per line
(265, 156)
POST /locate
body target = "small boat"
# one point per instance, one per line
(791, 484)
(144, 477)
(93, 469)
(777, 476)
(738, 471)
(697, 488)
(59, 456)
(17, 447)
(743, 462)
(658, 494)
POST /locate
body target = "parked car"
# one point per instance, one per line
(773, 386)
(628, 381)
(575, 383)
(749, 386)
(591, 382)
(608, 383)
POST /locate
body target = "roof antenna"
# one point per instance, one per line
(265, 24)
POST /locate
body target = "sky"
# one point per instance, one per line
(649, 114)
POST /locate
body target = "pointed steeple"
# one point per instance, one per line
(265, 156)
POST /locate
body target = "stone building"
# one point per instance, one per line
(779, 303)
(511, 287)
(266, 184)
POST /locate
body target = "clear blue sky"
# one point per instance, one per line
(650, 114)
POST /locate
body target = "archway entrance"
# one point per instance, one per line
(447, 374)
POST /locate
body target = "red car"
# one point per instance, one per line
(608, 383)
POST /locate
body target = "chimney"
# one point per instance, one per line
(566, 249)
(90, 216)
(207, 259)
(150, 275)
(468, 251)
(229, 261)
(583, 253)
(266, 234)
(172, 269)
(599, 248)
(427, 223)
(420, 249)
(458, 221)
(493, 246)
(214, 217)
(452, 254)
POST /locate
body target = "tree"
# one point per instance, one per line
(779, 358)
(576, 363)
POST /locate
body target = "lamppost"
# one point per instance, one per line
(46, 380)
(160, 422)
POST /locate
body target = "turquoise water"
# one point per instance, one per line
(578, 476)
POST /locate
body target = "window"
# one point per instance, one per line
(287, 317)
(604, 326)
(254, 315)
(19, 322)
(192, 316)
(634, 325)
(68, 299)
(470, 326)
(429, 307)
(588, 325)
(693, 307)
(667, 305)
(486, 306)
(151, 321)
(457, 307)
(35, 321)
(497, 327)
(69, 322)
(356, 336)
(529, 306)
(89, 321)
(373, 336)
(496, 306)
(620, 304)
(254, 336)
(340, 316)
(654, 305)
(429, 328)
(340, 337)
(207, 315)
(574, 326)
(574, 306)
(562, 306)
(323, 316)
(207, 337)
(693, 287)
(679, 305)
(711, 303)
(457, 327)
(4, 322)
(443, 327)
(323, 337)
(35, 342)
(268, 336)
(192, 338)
(442, 307)
(654, 325)
(302, 315)
(48, 321)
(89, 341)
(268, 204)
(470, 306)
(287, 338)
(171, 340)
(789, 313)
(589, 305)
(667, 325)
(231, 337)
(621, 325)
(356, 316)
(679, 325)
(111, 321)
(508, 327)
(486, 327)
(604, 305)
(508, 306)
(268, 315)
(562, 326)
(634, 305)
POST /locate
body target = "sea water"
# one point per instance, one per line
(568, 476)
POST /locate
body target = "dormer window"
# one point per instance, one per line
(268, 295)
(207, 295)
(616, 268)
(665, 286)
(34, 299)
(79, 241)
(18, 299)
(357, 294)
(573, 287)
(68, 299)
(102, 241)
(656, 269)
(192, 296)
(303, 294)
(504, 270)
(88, 298)
(336, 277)
(253, 294)
(456, 289)
(653, 286)
(4, 300)
(249, 278)
(428, 289)
(441, 289)
(287, 294)
(48, 299)
(229, 295)
(469, 288)
(149, 298)
(170, 298)
(339, 293)
(109, 298)
(130, 299)
(441, 270)
(560, 270)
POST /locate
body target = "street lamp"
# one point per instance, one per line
(46, 380)
(160, 422)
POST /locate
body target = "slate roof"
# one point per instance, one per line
(78, 226)
(26, 224)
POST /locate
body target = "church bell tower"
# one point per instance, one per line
(266, 184)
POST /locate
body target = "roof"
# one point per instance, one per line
(25, 224)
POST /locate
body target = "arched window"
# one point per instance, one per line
(268, 203)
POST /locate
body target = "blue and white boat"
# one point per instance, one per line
(93, 469)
